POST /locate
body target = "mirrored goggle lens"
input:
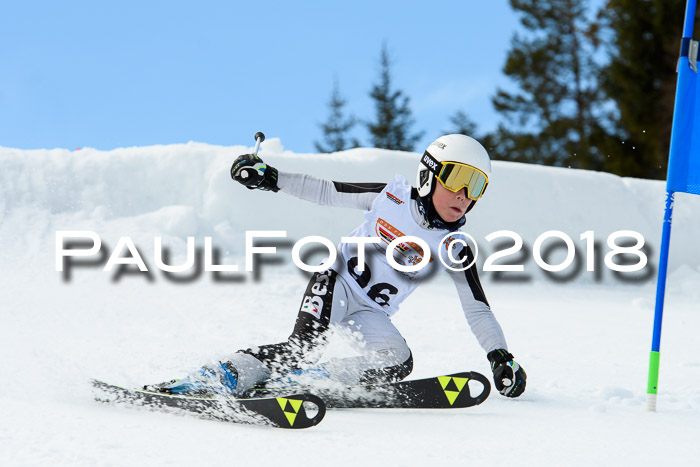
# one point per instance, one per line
(455, 176)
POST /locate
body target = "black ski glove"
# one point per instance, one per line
(251, 171)
(508, 376)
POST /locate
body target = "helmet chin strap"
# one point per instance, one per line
(471, 205)
(427, 210)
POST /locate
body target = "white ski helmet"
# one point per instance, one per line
(466, 154)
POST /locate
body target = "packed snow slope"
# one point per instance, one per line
(583, 336)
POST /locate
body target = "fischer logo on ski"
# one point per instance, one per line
(452, 386)
(290, 408)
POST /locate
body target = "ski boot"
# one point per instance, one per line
(221, 379)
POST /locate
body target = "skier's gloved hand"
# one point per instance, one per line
(508, 376)
(251, 171)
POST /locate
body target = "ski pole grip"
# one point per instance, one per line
(259, 138)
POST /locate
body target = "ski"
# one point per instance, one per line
(294, 410)
(439, 392)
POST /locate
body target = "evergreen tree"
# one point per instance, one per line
(556, 116)
(392, 128)
(336, 128)
(641, 80)
(463, 125)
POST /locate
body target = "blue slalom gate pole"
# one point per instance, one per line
(682, 176)
(654, 357)
(689, 18)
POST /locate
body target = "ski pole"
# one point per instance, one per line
(259, 138)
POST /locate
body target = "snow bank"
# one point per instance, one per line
(184, 190)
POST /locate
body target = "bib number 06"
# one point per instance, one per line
(381, 292)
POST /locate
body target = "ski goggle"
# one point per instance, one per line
(454, 176)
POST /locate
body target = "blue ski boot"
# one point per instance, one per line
(221, 380)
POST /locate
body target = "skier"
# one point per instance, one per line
(452, 175)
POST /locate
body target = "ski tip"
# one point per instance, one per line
(300, 411)
(457, 389)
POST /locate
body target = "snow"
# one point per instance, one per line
(584, 341)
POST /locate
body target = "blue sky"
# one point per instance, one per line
(116, 74)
